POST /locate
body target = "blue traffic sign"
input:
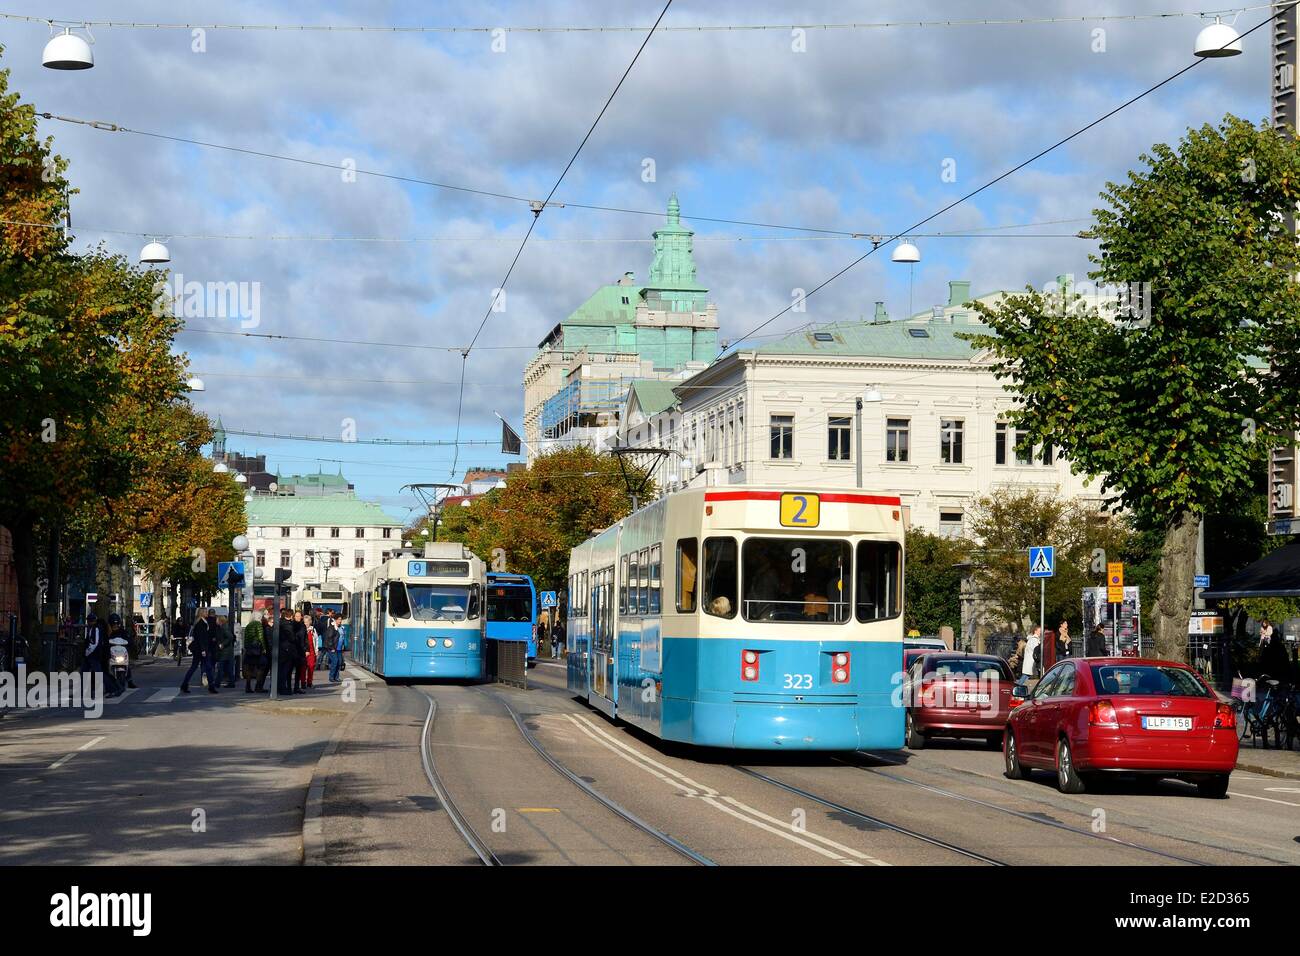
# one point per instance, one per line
(1201, 581)
(146, 599)
(548, 599)
(223, 567)
(1042, 561)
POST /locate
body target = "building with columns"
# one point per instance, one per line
(664, 329)
(786, 413)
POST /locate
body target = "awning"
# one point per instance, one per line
(1274, 575)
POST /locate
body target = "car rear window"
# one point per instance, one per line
(984, 668)
(1147, 680)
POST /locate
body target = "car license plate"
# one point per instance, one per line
(1166, 723)
(972, 698)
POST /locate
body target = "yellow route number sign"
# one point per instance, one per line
(799, 510)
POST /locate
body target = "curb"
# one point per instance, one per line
(1270, 771)
(313, 817)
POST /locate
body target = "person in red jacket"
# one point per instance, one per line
(307, 669)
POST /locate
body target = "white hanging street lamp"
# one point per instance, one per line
(907, 252)
(1218, 40)
(67, 51)
(195, 384)
(155, 253)
(220, 468)
(241, 480)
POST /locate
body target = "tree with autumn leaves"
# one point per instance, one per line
(541, 514)
(98, 442)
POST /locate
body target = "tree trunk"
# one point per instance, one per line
(23, 534)
(1177, 568)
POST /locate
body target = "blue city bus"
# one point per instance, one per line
(420, 614)
(748, 618)
(512, 610)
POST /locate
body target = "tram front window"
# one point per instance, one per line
(796, 579)
(436, 602)
(509, 603)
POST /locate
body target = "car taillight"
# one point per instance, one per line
(1102, 714)
(840, 668)
(1224, 717)
(749, 665)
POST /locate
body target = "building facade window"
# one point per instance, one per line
(309, 559)
(1022, 450)
(950, 523)
(359, 558)
(259, 559)
(782, 434)
(311, 532)
(951, 440)
(285, 560)
(334, 559)
(284, 532)
(838, 443)
(388, 532)
(897, 434)
(334, 532)
(361, 533)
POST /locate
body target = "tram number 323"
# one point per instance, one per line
(798, 682)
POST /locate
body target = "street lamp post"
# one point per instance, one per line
(872, 395)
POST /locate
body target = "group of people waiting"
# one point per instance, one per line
(1027, 659)
(307, 642)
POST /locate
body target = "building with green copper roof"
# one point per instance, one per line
(664, 328)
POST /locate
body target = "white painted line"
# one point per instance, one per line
(122, 696)
(719, 801)
(163, 696)
(1285, 803)
(563, 667)
(66, 757)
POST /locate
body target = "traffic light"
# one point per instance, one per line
(283, 574)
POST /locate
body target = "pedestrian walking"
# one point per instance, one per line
(288, 663)
(309, 665)
(1096, 644)
(299, 651)
(202, 647)
(179, 632)
(557, 640)
(332, 652)
(1265, 633)
(1029, 655)
(256, 648)
(96, 646)
(225, 652)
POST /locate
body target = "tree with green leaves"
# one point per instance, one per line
(932, 585)
(1163, 402)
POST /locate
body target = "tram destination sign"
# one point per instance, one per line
(437, 569)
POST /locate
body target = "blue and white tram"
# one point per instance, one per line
(747, 618)
(421, 615)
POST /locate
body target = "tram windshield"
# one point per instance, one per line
(439, 602)
(796, 579)
(512, 603)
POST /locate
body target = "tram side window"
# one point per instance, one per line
(720, 577)
(879, 584)
(622, 586)
(655, 579)
(398, 605)
(633, 583)
(643, 588)
(688, 559)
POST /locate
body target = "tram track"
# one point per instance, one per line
(467, 832)
(868, 818)
(1019, 814)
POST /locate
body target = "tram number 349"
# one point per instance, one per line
(798, 682)
(399, 646)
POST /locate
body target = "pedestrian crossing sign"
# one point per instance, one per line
(548, 599)
(1042, 561)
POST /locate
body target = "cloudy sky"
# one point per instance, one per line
(853, 132)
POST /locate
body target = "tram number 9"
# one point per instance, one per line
(399, 646)
(798, 682)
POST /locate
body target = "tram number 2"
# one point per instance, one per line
(798, 682)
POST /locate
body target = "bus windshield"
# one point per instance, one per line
(509, 603)
(796, 579)
(438, 602)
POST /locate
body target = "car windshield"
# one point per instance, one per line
(1152, 680)
(437, 602)
(796, 579)
(983, 668)
(512, 603)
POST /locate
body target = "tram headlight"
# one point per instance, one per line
(841, 660)
(840, 672)
(433, 642)
(751, 657)
(446, 642)
(841, 676)
(749, 665)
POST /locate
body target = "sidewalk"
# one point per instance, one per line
(1274, 763)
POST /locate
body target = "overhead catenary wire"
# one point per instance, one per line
(947, 22)
(1006, 174)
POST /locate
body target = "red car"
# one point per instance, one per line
(1097, 714)
(951, 694)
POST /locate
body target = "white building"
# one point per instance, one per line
(785, 414)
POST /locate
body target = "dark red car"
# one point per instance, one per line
(951, 694)
(1106, 714)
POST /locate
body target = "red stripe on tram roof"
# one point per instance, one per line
(776, 496)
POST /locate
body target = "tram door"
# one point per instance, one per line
(602, 630)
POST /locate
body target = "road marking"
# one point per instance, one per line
(66, 757)
(162, 696)
(562, 667)
(538, 810)
(719, 801)
(1285, 803)
(122, 696)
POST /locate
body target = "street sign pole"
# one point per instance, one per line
(1042, 611)
(274, 638)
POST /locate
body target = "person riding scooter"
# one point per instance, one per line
(119, 656)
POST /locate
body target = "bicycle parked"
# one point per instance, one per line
(1272, 712)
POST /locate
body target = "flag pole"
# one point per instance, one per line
(517, 435)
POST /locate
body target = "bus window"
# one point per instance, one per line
(688, 555)
(797, 579)
(398, 605)
(623, 585)
(720, 577)
(655, 582)
(643, 586)
(879, 580)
